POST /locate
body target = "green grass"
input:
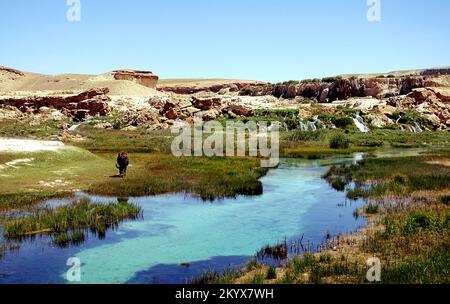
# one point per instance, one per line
(30, 129)
(206, 177)
(75, 217)
(288, 117)
(313, 145)
(338, 184)
(20, 200)
(418, 221)
(49, 174)
(301, 264)
(56, 174)
(256, 279)
(315, 152)
(112, 141)
(213, 277)
(393, 175)
(69, 238)
(414, 247)
(432, 268)
(252, 264)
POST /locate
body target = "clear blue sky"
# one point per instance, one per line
(246, 39)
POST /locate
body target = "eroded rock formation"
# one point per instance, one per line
(93, 102)
(145, 78)
(343, 89)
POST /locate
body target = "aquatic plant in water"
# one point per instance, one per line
(67, 224)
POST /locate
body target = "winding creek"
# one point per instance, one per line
(179, 229)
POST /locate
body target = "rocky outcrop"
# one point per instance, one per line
(206, 104)
(145, 78)
(440, 71)
(208, 108)
(343, 89)
(12, 71)
(432, 103)
(238, 110)
(93, 102)
(222, 88)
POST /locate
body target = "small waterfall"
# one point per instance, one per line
(73, 128)
(417, 128)
(359, 123)
(270, 128)
(313, 125)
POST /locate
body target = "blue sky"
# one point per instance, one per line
(243, 39)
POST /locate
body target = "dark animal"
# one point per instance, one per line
(122, 163)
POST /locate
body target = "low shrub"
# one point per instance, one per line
(343, 122)
(372, 209)
(271, 273)
(339, 141)
(401, 179)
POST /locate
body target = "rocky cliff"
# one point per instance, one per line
(145, 78)
(343, 89)
(79, 106)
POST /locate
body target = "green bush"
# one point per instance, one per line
(401, 179)
(343, 122)
(252, 264)
(310, 80)
(445, 199)
(271, 273)
(423, 221)
(331, 79)
(408, 117)
(372, 209)
(339, 184)
(289, 83)
(339, 141)
(326, 117)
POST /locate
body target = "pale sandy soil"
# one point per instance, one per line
(440, 162)
(25, 145)
(39, 84)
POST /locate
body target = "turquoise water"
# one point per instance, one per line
(179, 229)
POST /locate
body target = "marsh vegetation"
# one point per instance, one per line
(67, 224)
(407, 197)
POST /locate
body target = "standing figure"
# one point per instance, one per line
(122, 163)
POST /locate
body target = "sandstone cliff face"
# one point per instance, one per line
(145, 78)
(209, 86)
(93, 102)
(343, 89)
